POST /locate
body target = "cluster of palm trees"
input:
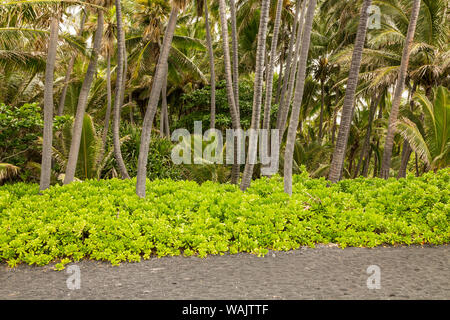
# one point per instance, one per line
(355, 96)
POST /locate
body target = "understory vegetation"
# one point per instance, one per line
(105, 220)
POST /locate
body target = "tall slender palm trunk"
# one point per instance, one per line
(288, 67)
(280, 77)
(158, 80)
(270, 70)
(257, 95)
(291, 84)
(62, 99)
(120, 91)
(298, 97)
(108, 107)
(235, 171)
(164, 118)
(387, 153)
(235, 45)
(322, 105)
(46, 164)
(337, 163)
(407, 150)
(211, 67)
(229, 87)
(82, 102)
(365, 148)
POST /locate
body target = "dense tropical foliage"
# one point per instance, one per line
(93, 89)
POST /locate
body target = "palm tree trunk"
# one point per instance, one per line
(46, 164)
(270, 71)
(280, 77)
(234, 43)
(211, 66)
(120, 91)
(62, 99)
(82, 102)
(291, 85)
(365, 148)
(163, 123)
(387, 153)
(288, 67)
(337, 162)
(257, 95)
(406, 154)
(322, 104)
(298, 97)
(108, 107)
(229, 86)
(158, 80)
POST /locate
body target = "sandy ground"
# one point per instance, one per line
(325, 272)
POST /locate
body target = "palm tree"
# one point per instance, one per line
(270, 71)
(257, 95)
(211, 66)
(108, 48)
(387, 153)
(62, 99)
(289, 69)
(299, 89)
(430, 141)
(83, 97)
(229, 86)
(48, 106)
(337, 162)
(234, 43)
(164, 129)
(292, 76)
(158, 79)
(121, 74)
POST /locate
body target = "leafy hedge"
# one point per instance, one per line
(105, 220)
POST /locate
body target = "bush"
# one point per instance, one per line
(105, 220)
(19, 130)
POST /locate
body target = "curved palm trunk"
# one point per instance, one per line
(46, 164)
(120, 91)
(62, 99)
(153, 104)
(229, 86)
(82, 102)
(257, 95)
(387, 153)
(288, 68)
(211, 66)
(298, 97)
(291, 85)
(337, 162)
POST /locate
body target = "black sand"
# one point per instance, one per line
(326, 272)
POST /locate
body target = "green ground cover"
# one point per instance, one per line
(105, 220)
